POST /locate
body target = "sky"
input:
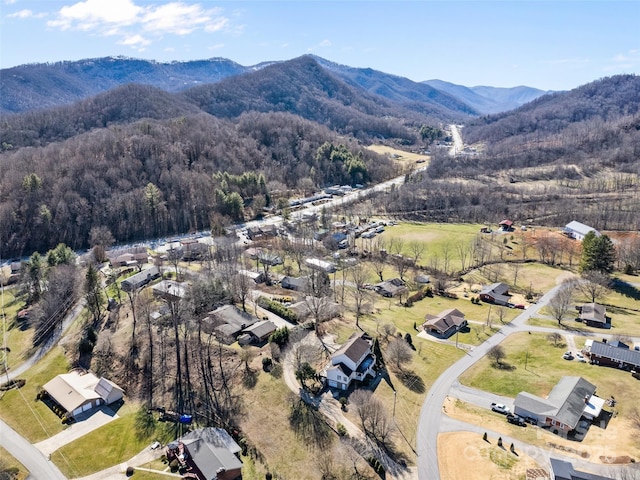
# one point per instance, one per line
(551, 45)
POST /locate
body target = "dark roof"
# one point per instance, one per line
(354, 349)
(232, 315)
(211, 452)
(261, 329)
(495, 289)
(593, 312)
(445, 320)
(296, 282)
(622, 354)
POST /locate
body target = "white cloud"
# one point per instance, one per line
(139, 25)
(217, 46)
(21, 14)
(136, 41)
(10, 2)
(628, 61)
(325, 43)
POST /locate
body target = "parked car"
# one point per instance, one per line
(531, 420)
(567, 356)
(580, 358)
(520, 306)
(500, 408)
(516, 420)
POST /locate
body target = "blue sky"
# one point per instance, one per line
(555, 45)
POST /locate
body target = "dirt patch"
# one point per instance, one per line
(622, 460)
(460, 453)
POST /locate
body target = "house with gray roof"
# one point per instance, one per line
(445, 324)
(354, 361)
(571, 399)
(578, 230)
(594, 315)
(561, 470)
(229, 322)
(612, 354)
(140, 279)
(260, 331)
(497, 293)
(208, 453)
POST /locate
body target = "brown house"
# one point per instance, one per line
(445, 324)
(497, 293)
(594, 315)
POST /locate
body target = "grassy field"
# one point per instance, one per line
(110, 444)
(19, 407)
(18, 340)
(622, 307)
(544, 367)
(402, 156)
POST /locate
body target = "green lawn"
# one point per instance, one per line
(110, 445)
(20, 409)
(18, 340)
(544, 367)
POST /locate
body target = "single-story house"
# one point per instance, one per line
(578, 230)
(319, 235)
(445, 324)
(497, 293)
(270, 259)
(571, 399)
(264, 231)
(422, 279)
(207, 453)
(252, 252)
(128, 257)
(305, 308)
(612, 354)
(260, 331)
(140, 279)
(256, 277)
(594, 315)
(506, 225)
(170, 290)
(353, 361)
(79, 392)
(322, 265)
(229, 322)
(390, 288)
(192, 249)
(562, 470)
(294, 283)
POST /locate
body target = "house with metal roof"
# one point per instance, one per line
(78, 392)
(260, 331)
(229, 321)
(561, 470)
(578, 230)
(140, 279)
(445, 324)
(571, 399)
(612, 354)
(355, 360)
(497, 293)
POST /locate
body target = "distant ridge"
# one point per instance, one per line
(489, 99)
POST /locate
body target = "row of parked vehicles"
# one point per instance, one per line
(512, 417)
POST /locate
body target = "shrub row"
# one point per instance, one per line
(279, 309)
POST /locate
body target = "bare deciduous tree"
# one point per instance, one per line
(594, 284)
(374, 419)
(398, 353)
(359, 275)
(560, 304)
(496, 354)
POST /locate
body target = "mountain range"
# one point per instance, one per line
(36, 86)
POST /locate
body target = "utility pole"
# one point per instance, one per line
(395, 395)
(526, 359)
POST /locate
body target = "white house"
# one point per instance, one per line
(321, 265)
(579, 230)
(353, 361)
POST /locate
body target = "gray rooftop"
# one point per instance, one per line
(211, 452)
(616, 353)
(564, 471)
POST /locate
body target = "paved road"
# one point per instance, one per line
(40, 468)
(458, 145)
(431, 412)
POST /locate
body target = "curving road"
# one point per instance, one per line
(431, 415)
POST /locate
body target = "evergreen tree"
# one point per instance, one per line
(598, 254)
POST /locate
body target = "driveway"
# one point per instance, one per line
(76, 430)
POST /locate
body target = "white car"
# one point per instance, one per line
(500, 408)
(580, 358)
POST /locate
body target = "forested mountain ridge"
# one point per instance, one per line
(301, 86)
(565, 156)
(38, 86)
(415, 96)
